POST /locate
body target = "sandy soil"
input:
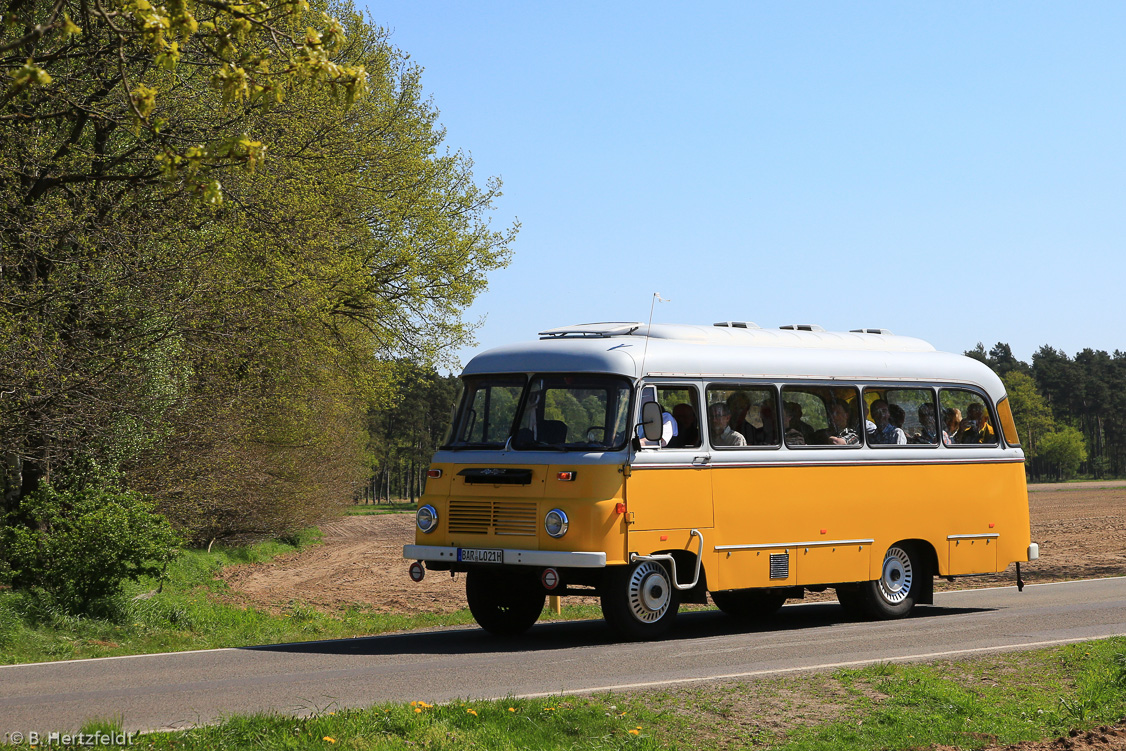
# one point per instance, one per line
(1081, 531)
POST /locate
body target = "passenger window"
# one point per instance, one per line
(966, 419)
(683, 403)
(743, 415)
(901, 417)
(821, 415)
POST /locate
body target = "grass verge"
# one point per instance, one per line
(375, 509)
(971, 704)
(187, 613)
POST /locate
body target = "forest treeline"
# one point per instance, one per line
(1070, 414)
(1070, 411)
(222, 227)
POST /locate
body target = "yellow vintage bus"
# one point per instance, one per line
(653, 465)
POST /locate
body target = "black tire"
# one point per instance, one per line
(502, 603)
(639, 601)
(893, 595)
(749, 603)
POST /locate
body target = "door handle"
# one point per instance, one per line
(702, 459)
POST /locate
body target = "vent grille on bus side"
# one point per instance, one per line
(779, 565)
(481, 517)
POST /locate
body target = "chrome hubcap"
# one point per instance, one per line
(895, 583)
(649, 592)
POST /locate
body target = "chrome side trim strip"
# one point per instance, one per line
(815, 544)
(511, 557)
(714, 464)
(984, 536)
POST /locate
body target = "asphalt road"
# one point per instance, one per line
(177, 690)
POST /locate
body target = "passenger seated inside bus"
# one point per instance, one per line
(721, 432)
(688, 427)
(767, 435)
(740, 405)
(927, 432)
(951, 421)
(792, 416)
(885, 432)
(898, 416)
(975, 428)
(794, 413)
(839, 432)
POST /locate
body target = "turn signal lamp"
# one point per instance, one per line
(566, 476)
(433, 474)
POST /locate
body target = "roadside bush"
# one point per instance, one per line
(80, 544)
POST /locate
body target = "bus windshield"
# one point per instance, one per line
(488, 409)
(574, 412)
(559, 412)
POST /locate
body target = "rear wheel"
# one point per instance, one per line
(748, 603)
(503, 603)
(639, 601)
(893, 595)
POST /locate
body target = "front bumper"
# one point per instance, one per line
(512, 557)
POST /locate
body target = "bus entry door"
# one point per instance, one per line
(669, 489)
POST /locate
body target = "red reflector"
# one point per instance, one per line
(417, 571)
(549, 578)
(664, 538)
(991, 525)
(434, 473)
(620, 508)
(824, 531)
(566, 476)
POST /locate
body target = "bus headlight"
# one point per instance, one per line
(427, 518)
(555, 523)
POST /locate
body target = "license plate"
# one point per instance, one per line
(479, 555)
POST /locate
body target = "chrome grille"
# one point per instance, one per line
(482, 517)
(779, 565)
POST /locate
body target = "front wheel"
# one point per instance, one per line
(893, 595)
(503, 604)
(639, 601)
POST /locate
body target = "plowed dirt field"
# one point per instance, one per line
(1081, 530)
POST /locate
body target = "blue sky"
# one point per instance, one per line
(954, 172)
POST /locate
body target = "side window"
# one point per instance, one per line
(683, 403)
(822, 415)
(966, 419)
(901, 416)
(743, 415)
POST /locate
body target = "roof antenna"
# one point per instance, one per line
(656, 298)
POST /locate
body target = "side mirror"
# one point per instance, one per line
(651, 421)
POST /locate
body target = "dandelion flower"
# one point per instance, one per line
(634, 732)
(416, 709)
(549, 709)
(512, 709)
(330, 740)
(471, 711)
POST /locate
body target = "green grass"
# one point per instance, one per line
(969, 704)
(375, 509)
(189, 613)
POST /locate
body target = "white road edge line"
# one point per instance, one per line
(810, 668)
(401, 633)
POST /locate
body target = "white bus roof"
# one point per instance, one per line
(734, 350)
